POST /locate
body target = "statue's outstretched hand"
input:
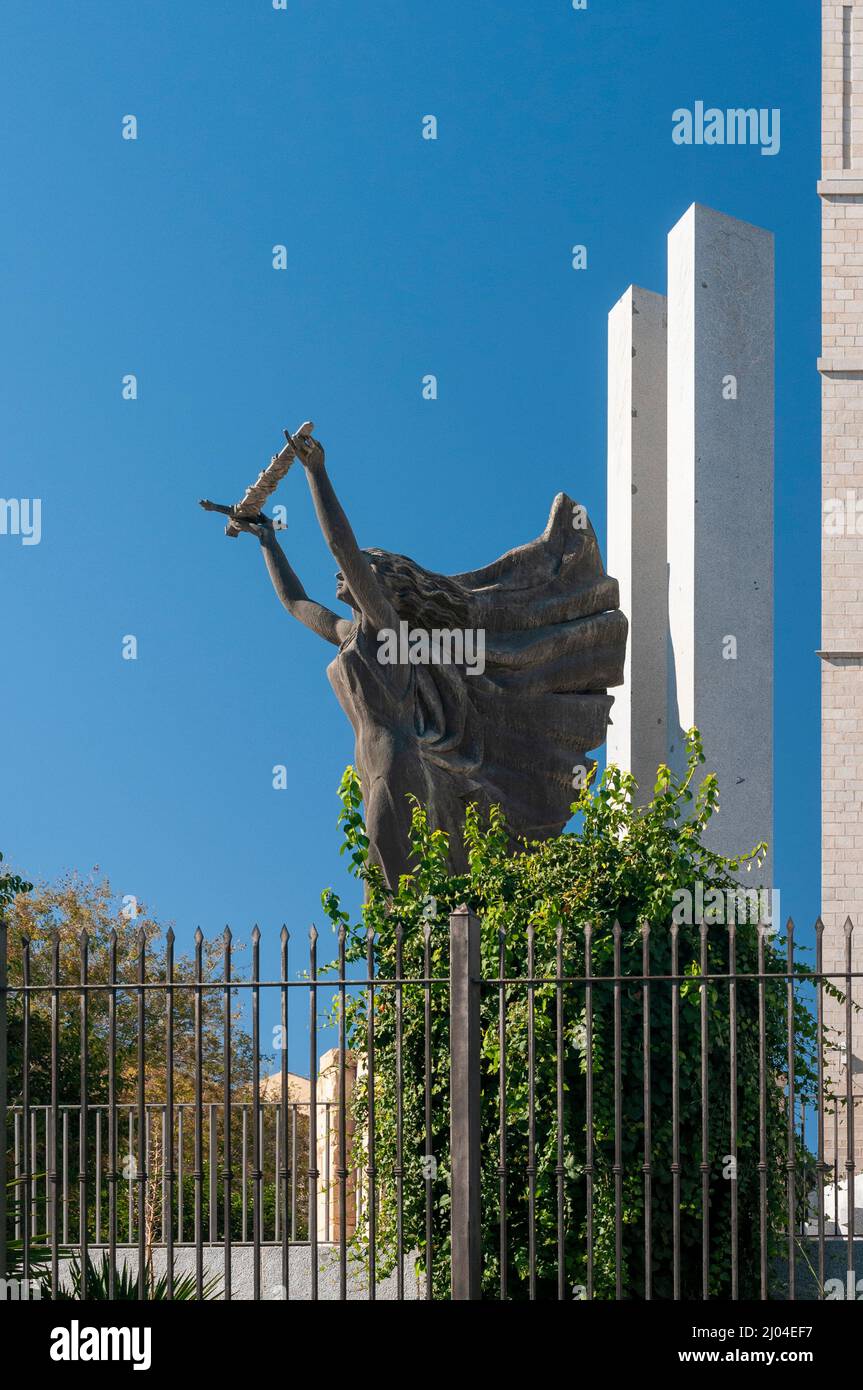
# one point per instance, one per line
(309, 451)
(260, 526)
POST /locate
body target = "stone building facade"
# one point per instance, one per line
(841, 368)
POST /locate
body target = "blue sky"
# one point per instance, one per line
(405, 257)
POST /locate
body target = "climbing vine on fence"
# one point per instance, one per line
(622, 865)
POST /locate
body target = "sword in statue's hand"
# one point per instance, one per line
(251, 503)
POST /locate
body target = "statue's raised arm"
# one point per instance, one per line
(358, 585)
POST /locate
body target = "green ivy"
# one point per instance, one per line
(622, 867)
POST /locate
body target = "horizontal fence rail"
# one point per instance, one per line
(571, 1113)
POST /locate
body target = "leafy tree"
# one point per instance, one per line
(61, 916)
(10, 886)
(624, 866)
(61, 913)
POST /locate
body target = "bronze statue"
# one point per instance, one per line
(486, 687)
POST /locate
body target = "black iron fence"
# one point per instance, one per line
(153, 1151)
(578, 1113)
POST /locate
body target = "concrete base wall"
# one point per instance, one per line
(272, 1289)
(835, 1268)
(806, 1271)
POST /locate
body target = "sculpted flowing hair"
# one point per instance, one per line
(425, 599)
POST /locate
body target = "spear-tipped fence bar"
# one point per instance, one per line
(209, 1167)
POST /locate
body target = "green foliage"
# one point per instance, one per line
(10, 886)
(61, 912)
(623, 866)
(39, 1254)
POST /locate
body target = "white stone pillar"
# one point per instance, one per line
(637, 738)
(720, 514)
(328, 1131)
